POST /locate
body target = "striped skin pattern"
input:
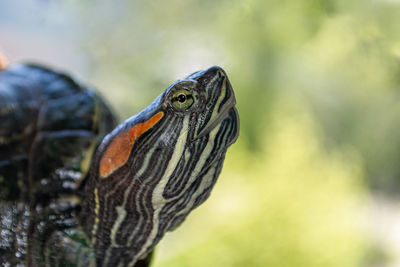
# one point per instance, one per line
(153, 169)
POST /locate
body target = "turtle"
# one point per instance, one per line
(79, 189)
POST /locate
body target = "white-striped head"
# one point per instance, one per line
(157, 166)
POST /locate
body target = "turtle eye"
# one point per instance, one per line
(182, 99)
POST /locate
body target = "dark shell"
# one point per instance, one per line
(49, 128)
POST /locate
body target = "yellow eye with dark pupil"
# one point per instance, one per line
(182, 99)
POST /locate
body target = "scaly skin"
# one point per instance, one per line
(146, 176)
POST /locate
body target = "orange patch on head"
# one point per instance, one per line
(117, 153)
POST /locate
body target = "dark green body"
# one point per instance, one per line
(50, 127)
(67, 200)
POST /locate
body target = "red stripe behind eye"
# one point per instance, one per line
(117, 153)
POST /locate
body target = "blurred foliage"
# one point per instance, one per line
(318, 89)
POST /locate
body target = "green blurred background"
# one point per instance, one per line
(314, 178)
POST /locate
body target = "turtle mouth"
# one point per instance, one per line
(227, 110)
(220, 110)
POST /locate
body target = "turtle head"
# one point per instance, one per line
(157, 166)
(207, 99)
